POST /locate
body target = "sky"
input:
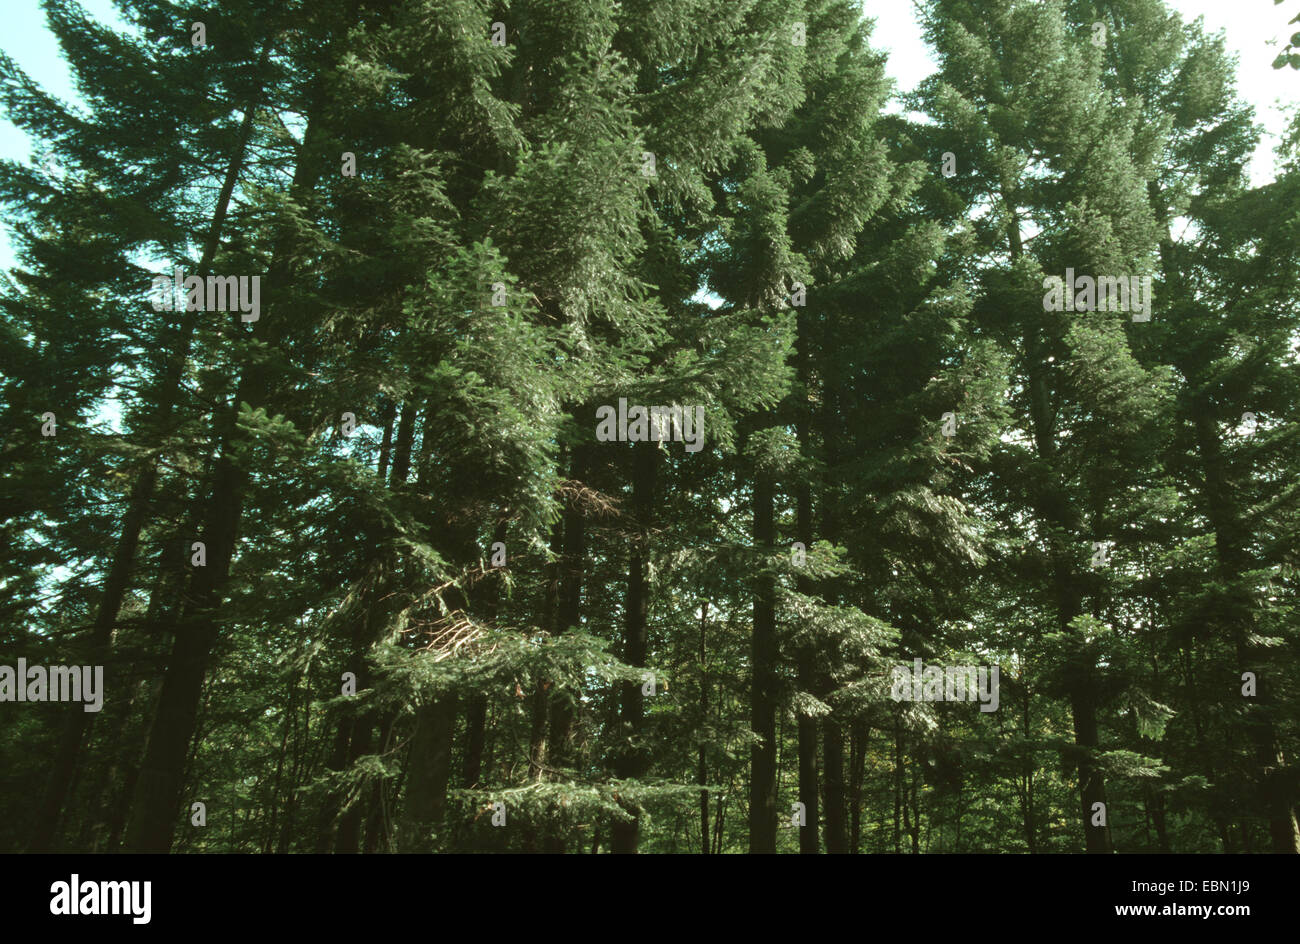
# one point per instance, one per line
(1249, 27)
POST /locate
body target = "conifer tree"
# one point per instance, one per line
(1051, 187)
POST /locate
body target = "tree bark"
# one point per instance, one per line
(857, 770)
(703, 772)
(428, 773)
(568, 612)
(633, 760)
(763, 684)
(807, 657)
(837, 837)
(476, 706)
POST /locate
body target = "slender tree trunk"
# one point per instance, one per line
(568, 612)
(302, 738)
(807, 734)
(325, 833)
(348, 839)
(476, 706)
(807, 657)
(837, 839)
(378, 837)
(703, 773)
(634, 760)
(164, 398)
(898, 788)
(1027, 803)
(914, 829)
(857, 770)
(273, 802)
(763, 686)
(1156, 807)
(119, 749)
(568, 615)
(1092, 787)
(475, 738)
(537, 745)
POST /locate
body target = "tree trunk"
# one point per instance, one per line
(428, 773)
(537, 746)
(857, 770)
(837, 838)
(807, 660)
(568, 613)
(117, 581)
(476, 706)
(763, 686)
(325, 836)
(703, 772)
(633, 760)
